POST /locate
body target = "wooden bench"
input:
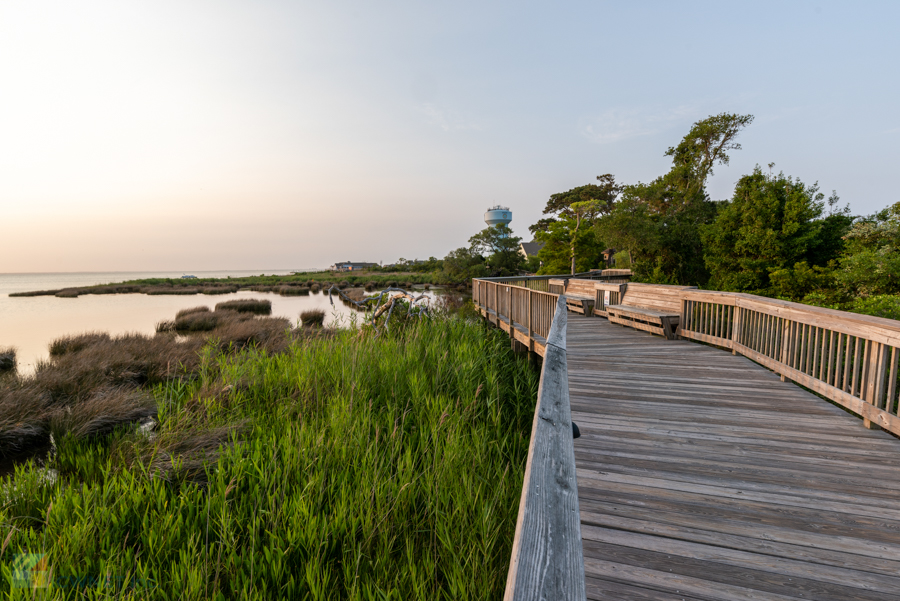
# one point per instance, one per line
(580, 296)
(653, 308)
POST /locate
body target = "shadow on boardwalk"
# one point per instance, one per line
(702, 476)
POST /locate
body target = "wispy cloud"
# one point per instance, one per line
(621, 124)
(445, 119)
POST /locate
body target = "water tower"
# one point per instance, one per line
(498, 215)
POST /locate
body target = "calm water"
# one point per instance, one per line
(31, 323)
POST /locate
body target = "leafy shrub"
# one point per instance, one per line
(883, 305)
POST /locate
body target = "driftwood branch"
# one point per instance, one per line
(418, 305)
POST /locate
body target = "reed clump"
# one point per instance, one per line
(192, 310)
(204, 321)
(293, 291)
(256, 306)
(74, 343)
(312, 318)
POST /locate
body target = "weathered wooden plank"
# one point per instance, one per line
(547, 561)
(700, 462)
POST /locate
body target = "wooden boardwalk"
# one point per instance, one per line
(702, 476)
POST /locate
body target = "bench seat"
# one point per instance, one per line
(661, 323)
(580, 303)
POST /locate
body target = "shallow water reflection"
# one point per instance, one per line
(31, 323)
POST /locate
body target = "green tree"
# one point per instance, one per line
(501, 247)
(772, 225)
(556, 254)
(659, 223)
(461, 265)
(572, 213)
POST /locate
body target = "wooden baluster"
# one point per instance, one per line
(719, 320)
(736, 328)
(815, 354)
(839, 360)
(848, 364)
(892, 383)
(856, 367)
(874, 378)
(756, 330)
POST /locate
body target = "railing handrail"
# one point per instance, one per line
(547, 558)
(855, 324)
(561, 276)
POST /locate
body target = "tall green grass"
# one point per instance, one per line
(355, 466)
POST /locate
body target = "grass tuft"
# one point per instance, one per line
(183, 312)
(312, 318)
(250, 305)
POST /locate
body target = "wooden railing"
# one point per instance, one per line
(547, 558)
(848, 358)
(526, 314)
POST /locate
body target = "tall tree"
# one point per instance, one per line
(573, 212)
(501, 247)
(772, 223)
(659, 222)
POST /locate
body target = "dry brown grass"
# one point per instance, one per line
(74, 343)
(102, 413)
(197, 322)
(183, 312)
(257, 306)
(293, 291)
(312, 318)
(93, 382)
(271, 334)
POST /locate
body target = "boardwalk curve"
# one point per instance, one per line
(703, 476)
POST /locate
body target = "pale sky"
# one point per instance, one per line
(192, 135)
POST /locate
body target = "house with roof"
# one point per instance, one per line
(530, 249)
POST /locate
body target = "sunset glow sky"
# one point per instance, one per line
(218, 134)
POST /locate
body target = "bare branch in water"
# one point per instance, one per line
(418, 305)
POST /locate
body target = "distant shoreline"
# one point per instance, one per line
(287, 285)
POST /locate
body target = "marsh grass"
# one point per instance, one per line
(250, 305)
(191, 310)
(293, 291)
(312, 317)
(205, 321)
(348, 466)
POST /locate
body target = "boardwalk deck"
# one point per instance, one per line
(702, 476)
